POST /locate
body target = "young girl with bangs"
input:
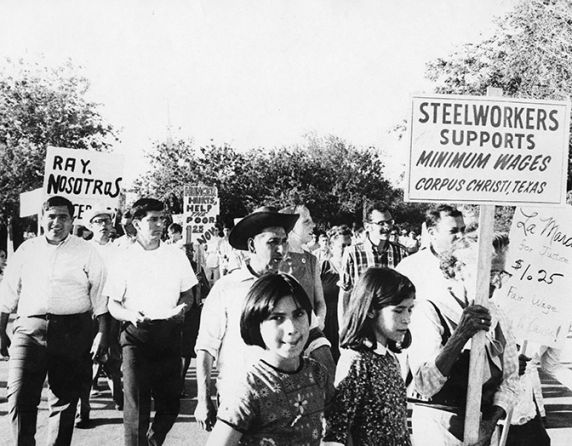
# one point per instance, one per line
(281, 399)
(369, 407)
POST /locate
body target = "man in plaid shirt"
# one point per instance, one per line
(375, 251)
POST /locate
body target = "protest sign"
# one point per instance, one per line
(31, 202)
(200, 208)
(536, 297)
(87, 178)
(488, 150)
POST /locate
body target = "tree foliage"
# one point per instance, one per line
(42, 106)
(529, 56)
(333, 178)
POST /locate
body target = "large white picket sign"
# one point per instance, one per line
(87, 178)
(536, 297)
(201, 207)
(488, 150)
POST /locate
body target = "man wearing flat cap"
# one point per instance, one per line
(264, 234)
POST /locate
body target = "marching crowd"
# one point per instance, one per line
(317, 338)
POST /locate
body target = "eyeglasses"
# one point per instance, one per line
(101, 221)
(382, 222)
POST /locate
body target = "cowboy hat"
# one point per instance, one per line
(254, 223)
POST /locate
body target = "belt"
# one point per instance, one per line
(60, 317)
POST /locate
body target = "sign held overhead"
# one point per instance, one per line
(85, 177)
(488, 150)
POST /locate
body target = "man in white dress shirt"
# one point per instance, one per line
(150, 289)
(55, 281)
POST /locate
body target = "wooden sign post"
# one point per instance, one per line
(487, 151)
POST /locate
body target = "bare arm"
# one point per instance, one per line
(224, 435)
(319, 301)
(474, 319)
(121, 313)
(343, 298)
(205, 412)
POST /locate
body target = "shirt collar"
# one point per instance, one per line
(380, 349)
(63, 242)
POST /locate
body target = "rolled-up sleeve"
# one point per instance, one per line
(508, 391)
(348, 271)
(426, 332)
(11, 282)
(213, 323)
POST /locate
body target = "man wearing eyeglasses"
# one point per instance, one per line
(375, 251)
(100, 223)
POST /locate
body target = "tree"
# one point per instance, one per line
(332, 177)
(529, 56)
(42, 106)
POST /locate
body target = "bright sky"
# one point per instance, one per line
(247, 72)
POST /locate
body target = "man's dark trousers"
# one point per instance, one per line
(151, 368)
(56, 346)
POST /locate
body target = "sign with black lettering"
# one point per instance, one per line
(488, 150)
(536, 294)
(201, 207)
(87, 178)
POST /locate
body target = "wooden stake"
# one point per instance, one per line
(477, 361)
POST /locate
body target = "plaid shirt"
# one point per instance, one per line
(361, 256)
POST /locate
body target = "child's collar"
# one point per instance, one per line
(380, 349)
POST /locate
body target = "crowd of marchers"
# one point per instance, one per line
(318, 338)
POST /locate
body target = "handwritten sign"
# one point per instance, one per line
(536, 297)
(488, 150)
(201, 207)
(85, 177)
(31, 202)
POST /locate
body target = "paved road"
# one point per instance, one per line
(108, 429)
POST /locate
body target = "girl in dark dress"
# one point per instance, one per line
(369, 406)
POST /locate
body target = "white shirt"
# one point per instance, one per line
(219, 332)
(424, 271)
(150, 281)
(61, 279)
(106, 251)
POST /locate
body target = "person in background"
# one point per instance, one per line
(330, 269)
(150, 287)
(312, 243)
(129, 231)
(175, 233)
(302, 264)
(445, 225)
(55, 281)
(229, 258)
(212, 262)
(100, 220)
(323, 251)
(375, 250)
(370, 403)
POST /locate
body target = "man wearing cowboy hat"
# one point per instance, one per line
(264, 234)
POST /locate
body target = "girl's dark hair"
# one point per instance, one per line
(261, 300)
(376, 288)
